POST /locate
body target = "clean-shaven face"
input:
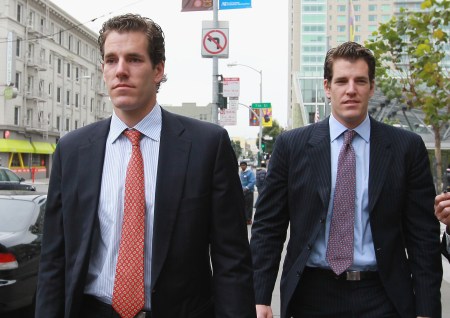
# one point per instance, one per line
(129, 74)
(349, 91)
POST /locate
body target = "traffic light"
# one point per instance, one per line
(221, 100)
(263, 147)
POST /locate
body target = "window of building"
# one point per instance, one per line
(29, 116)
(78, 47)
(50, 58)
(18, 46)
(314, 18)
(58, 95)
(16, 115)
(30, 53)
(341, 19)
(341, 28)
(19, 13)
(372, 28)
(67, 97)
(67, 124)
(372, 18)
(76, 124)
(18, 81)
(385, 18)
(357, 7)
(69, 68)
(372, 7)
(60, 37)
(77, 99)
(59, 67)
(77, 74)
(42, 24)
(30, 21)
(50, 89)
(358, 38)
(386, 7)
(69, 42)
(58, 123)
(92, 105)
(357, 18)
(30, 84)
(342, 8)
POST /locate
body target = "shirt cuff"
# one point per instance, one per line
(447, 239)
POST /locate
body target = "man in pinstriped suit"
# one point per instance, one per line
(396, 269)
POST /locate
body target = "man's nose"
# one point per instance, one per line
(122, 68)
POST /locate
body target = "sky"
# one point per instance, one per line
(258, 37)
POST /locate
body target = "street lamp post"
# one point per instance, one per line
(260, 111)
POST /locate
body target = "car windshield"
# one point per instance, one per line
(6, 175)
(15, 215)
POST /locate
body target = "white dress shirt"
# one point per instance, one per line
(105, 249)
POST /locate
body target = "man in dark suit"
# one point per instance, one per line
(394, 267)
(195, 258)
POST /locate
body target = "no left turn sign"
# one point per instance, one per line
(215, 43)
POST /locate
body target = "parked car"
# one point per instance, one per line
(21, 225)
(11, 181)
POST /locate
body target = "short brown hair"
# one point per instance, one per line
(351, 51)
(135, 23)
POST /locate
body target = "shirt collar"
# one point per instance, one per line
(336, 129)
(149, 126)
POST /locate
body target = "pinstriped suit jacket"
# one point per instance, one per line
(401, 197)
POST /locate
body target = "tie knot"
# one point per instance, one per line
(133, 135)
(348, 136)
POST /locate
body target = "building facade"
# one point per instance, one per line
(50, 79)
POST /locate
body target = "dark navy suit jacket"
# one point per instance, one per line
(201, 265)
(401, 198)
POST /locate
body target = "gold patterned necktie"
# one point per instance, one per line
(339, 253)
(128, 293)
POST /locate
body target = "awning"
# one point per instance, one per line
(12, 145)
(42, 147)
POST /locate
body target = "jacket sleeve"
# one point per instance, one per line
(230, 252)
(50, 289)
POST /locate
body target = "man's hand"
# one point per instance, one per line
(442, 208)
(263, 311)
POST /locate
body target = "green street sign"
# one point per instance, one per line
(261, 105)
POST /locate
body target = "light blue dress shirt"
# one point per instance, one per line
(105, 250)
(364, 252)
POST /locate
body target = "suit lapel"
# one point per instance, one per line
(319, 154)
(174, 152)
(90, 168)
(380, 158)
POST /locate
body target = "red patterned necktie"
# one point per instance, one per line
(340, 242)
(128, 293)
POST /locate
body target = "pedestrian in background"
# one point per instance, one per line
(248, 187)
(261, 173)
(144, 212)
(357, 196)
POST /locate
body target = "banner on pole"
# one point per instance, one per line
(234, 4)
(196, 5)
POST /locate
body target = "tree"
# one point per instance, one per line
(236, 145)
(411, 67)
(272, 132)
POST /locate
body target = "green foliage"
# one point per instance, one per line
(410, 51)
(236, 145)
(272, 132)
